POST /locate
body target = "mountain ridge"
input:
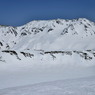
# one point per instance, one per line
(48, 36)
(64, 27)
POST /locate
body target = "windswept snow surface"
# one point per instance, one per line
(19, 74)
(81, 86)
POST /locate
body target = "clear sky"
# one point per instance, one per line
(19, 12)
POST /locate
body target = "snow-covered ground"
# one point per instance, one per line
(80, 86)
(19, 74)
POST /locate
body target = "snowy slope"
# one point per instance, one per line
(58, 34)
(41, 37)
(83, 86)
(31, 72)
(50, 50)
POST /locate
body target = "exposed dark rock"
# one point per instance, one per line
(1, 44)
(50, 29)
(57, 52)
(83, 55)
(27, 54)
(11, 52)
(23, 34)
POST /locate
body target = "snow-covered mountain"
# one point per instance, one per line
(48, 50)
(48, 37)
(57, 34)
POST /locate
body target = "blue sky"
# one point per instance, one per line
(19, 12)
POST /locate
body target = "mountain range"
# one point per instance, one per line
(48, 50)
(50, 38)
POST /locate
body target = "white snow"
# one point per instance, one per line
(34, 71)
(81, 86)
(50, 35)
(44, 51)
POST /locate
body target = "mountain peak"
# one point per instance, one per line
(43, 33)
(58, 36)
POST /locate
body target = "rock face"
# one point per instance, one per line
(50, 39)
